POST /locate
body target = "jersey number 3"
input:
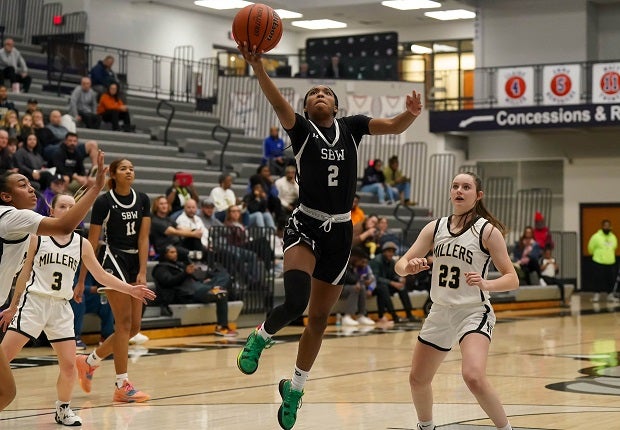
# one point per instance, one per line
(449, 276)
(57, 284)
(332, 177)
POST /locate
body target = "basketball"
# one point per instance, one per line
(257, 25)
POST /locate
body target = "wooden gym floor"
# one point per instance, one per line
(554, 369)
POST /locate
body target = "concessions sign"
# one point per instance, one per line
(536, 117)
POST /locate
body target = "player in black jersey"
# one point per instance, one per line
(123, 214)
(317, 237)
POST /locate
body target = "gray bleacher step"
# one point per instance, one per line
(231, 157)
(146, 122)
(205, 145)
(159, 322)
(176, 133)
(208, 176)
(152, 103)
(47, 98)
(140, 160)
(183, 115)
(244, 170)
(113, 136)
(160, 186)
(150, 148)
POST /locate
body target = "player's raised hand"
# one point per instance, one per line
(102, 170)
(414, 103)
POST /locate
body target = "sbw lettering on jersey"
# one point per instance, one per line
(129, 215)
(453, 250)
(55, 258)
(332, 154)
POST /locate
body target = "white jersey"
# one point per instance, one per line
(54, 267)
(453, 256)
(16, 225)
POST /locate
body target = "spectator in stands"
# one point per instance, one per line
(164, 231)
(542, 235)
(10, 123)
(365, 233)
(113, 110)
(91, 304)
(256, 205)
(263, 177)
(188, 220)
(55, 126)
(335, 68)
(395, 179)
(303, 71)
(383, 268)
(385, 234)
(26, 128)
(44, 134)
(13, 67)
(70, 163)
(5, 104)
(224, 197)
(354, 290)
(178, 282)
(288, 190)
(31, 164)
(549, 270)
(373, 182)
(102, 75)
(7, 163)
(182, 189)
(32, 105)
(57, 186)
(273, 152)
(83, 105)
(602, 245)
(207, 213)
(357, 214)
(526, 254)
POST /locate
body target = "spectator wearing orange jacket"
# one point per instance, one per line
(112, 109)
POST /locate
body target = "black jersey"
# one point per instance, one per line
(327, 161)
(121, 218)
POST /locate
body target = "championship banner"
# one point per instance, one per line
(515, 87)
(606, 83)
(561, 84)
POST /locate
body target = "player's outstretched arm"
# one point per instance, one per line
(284, 111)
(402, 121)
(414, 261)
(70, 220)
(140, 292)
(20, 285)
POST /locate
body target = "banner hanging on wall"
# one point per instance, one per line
(561, 84)
(515, 86)
(606, 83)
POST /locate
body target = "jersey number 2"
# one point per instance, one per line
(332, 177)
(449, 276)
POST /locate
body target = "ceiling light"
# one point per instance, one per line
(419, 49)
(438, 47)
(287, 14)
(223, 4)
(411, 4)
(319, 24)
(448, 15)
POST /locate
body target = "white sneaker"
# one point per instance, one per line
(138, 339)
(611, 297)
(347, 320)
(596, 297)
(65, 416)
(542, 282)
(364, 320)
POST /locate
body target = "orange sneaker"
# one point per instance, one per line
(128, 394)
(85, 372)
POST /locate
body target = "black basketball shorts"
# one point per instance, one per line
(332, 248)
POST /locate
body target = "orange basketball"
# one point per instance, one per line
(258, 25)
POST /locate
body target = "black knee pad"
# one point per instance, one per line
(296, 291)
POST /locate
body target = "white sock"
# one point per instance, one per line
(299, 379)
(60, 403)
(426, 425)
(93, 359)
(120, 379)
(262, 333)
(506, 427)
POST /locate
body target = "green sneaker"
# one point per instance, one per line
(291, 401)
(247, 360)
